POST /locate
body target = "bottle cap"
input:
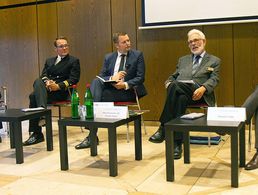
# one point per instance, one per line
(73, 86)
(87, 85)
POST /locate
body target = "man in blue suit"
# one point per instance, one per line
(200, 67)
(127, 67)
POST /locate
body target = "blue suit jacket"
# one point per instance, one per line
(135, 68)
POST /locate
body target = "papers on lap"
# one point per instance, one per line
(106, 81)
(186, 81)
(191, 82)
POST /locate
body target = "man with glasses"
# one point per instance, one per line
(193, 82)
(58, 74)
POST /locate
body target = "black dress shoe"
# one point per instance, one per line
(178, 151)
(85, 143)
(159, 136)
(34, 139)
(253, 163)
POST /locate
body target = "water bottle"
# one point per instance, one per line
(88, 103)
(75, 103)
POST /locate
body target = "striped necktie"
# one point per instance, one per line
(196, 63)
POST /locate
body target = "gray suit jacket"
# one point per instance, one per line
(207, 74)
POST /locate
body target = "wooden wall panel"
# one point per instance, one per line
(220, 43)
(47, 32)
(14, 2)
(87, 24)
(18, 50)
(124, 18)
(245, 60)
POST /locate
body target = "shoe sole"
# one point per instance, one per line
(25, 144)
(156, 142)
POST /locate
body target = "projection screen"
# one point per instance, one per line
(169, 13)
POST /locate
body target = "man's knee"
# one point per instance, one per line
(38, 83)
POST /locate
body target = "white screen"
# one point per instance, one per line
(185, 12)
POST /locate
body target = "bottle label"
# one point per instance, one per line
(82, 111)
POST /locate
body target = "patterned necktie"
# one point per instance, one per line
(122, 62)
(196, 63)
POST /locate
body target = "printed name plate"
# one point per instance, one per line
(107, 110)
(226, 114)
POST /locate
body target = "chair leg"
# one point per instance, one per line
(127, 133)
(59, 112)
(145, 131)
(139, 108)
(250, 127)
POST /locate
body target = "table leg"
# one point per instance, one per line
(12, 142)
(112, 146)
(93, 139)
(186, 139)
(138, 138)
(234, 158)
(49, 132)
(169, 136)
(17, 135)
(242, 146)
(63, 147)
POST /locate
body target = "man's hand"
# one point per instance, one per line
(52, 85)
(120, 85)
(119, 76)
(198, 93)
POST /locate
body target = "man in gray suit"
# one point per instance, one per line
(200, 67)
(127, 67)
(251, 105)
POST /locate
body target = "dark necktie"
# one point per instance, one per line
(122, 62)
(196, 63)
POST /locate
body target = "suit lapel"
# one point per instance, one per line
(113, 62)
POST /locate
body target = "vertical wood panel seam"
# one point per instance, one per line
(136, 24)
(57, 19)
(111, 25)
(233, 60)
(37, 26)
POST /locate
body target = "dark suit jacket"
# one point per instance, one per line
(135, 68)
(67, 70)
(207, 74)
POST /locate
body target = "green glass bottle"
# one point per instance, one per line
(88, 103)
(75, 103)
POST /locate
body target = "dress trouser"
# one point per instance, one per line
(179, 96)
(251, 105)
(107, 93)
(102, 92)
(39, 98)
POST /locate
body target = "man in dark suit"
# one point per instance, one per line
(127, 67)
(58, 74)
(251, 105)
(200, 67)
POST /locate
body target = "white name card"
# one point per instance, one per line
(107, 110)
(226, 114)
